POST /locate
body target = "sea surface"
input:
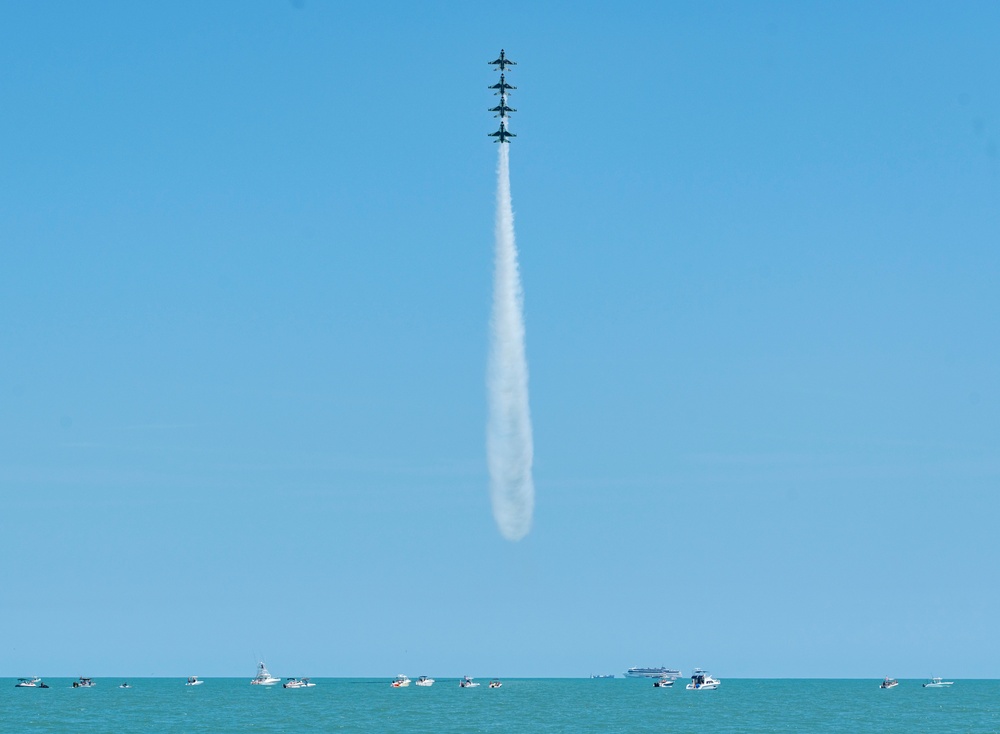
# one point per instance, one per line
(224, 705)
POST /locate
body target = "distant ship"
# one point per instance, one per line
(669, 673)
(600, 675)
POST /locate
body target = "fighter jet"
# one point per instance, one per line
(502, 86)
(502, 134)
(502, 62)
(502, 108)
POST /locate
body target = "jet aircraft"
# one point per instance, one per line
(502, 86)
(502, 134)
(502, 108)
(503, 61)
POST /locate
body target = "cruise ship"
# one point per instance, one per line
(669, 673)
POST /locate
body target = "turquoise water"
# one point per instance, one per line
(221, 706)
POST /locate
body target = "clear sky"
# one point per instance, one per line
(245, 272)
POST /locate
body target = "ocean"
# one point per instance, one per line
(224, 705)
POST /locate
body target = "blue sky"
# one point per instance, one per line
(244, 294)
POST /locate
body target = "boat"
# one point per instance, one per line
(264, 678)
(650, 673)
(30, 683)
(125, 685)
(938, 683)
(193, 681)
(889, 683)
(400, 681)
(702, 681)
(424, 682)
(84, 683)
(600, 676)
(467, 682)
(664, 683)
(298, 683)
(495, 683)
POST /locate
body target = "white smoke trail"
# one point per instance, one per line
(509, 447)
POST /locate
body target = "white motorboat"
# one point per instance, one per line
(400, 681)
(467, 682)
(424, 682)
(702, 681)
(30, 683)
(938, 683)
(663, 683)
(84, 683)
(264, 678)
(193, 681)
(298, 683)
(889, 683)
(495, 683)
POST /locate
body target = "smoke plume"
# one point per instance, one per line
(508, 432)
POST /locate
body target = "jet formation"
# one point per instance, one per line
(503, 111)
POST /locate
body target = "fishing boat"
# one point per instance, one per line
(193, 681)
(263, 677)
(889, 683)
(30, 683)
(938, 683)
(298, 683)
(84, 683)
(702, 681)
(467, 682)
(424, 682)
(663, 683)
(400, 681)
(495, 683)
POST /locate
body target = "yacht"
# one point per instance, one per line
(664, 683)
(30, 683)
(495, 683)
(84, 683)
(264, 678)
(193, 681)
(702, 681)
(424, 682)
(938, 683)
(400, 681)
(889, 683)
(467, 682)
(649, 673)
(298, 683)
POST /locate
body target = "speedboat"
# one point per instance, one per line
(938, 683)
(424, 682)
(264, 678)
(125, 685)
(663, 683)
(400, 681)
(702, 681)
(193, 681)
(84, 683)
(467, 682)
(495, 683)
(298, 683)
(30, 683)
(889, 683)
